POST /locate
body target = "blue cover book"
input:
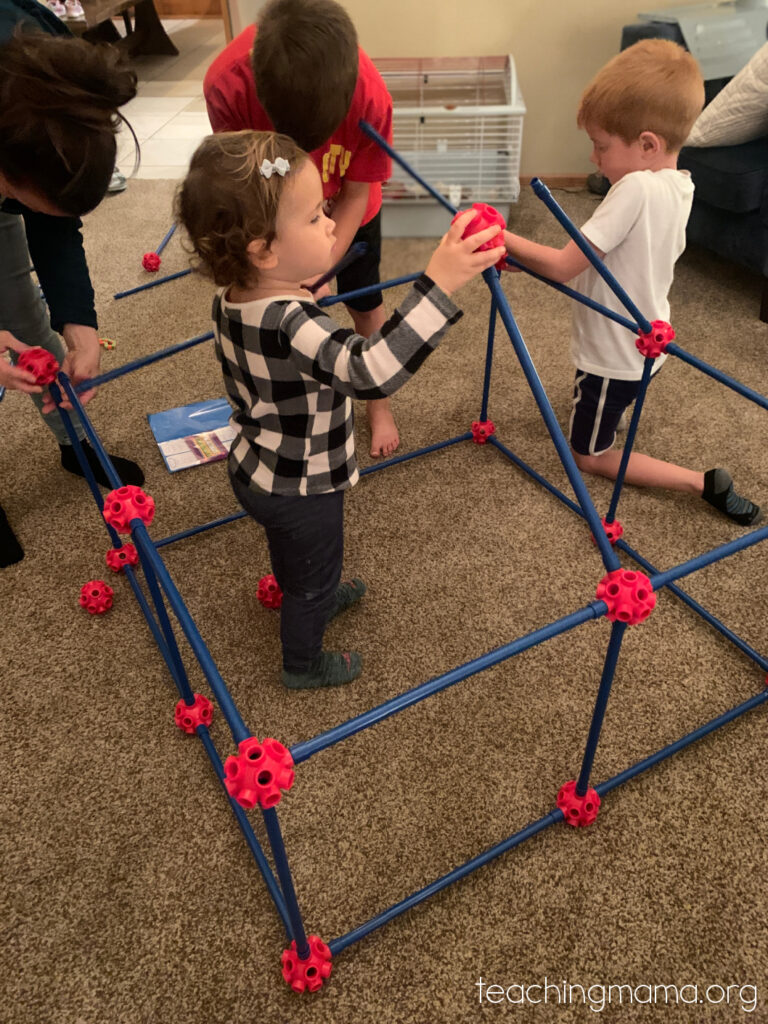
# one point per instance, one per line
(193, 434)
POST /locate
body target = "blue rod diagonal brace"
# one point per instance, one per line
(415, 455)
(629, 443)
(610, 559)
(662, 579)
(174, 660)
(684, 741)
(694, 605)
(286, 882)
(488, 361)
(371, 132)
(136, 364)
(585, 300)
(183, 534)
(301, 751)
(166, 239)
(562, 217)
(353, 253)
(337, 945)
(153, 284)
(723, 378)
(330, 300)
(606, 681)
(247, 830)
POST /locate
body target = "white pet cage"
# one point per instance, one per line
(459, 122)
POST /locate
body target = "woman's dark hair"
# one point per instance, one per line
(58, 117)
(305, 63)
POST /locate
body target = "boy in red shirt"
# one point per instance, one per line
(303, 74)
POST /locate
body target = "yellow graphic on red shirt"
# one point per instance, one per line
(334, 154)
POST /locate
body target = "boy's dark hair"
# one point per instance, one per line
(58, 117)
(653, 86)
(304, 64)
(225, 202)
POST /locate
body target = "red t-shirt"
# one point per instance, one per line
(230, 96)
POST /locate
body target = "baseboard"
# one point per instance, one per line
(557, 180)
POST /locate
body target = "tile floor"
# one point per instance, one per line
(168, 113)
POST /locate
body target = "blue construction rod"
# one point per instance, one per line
(330, 300)
(354, 252)
(154, 357)
(610, 314)
(488, 361)
(630, 439)
(414, 455)
(609, 557)
(372, 133)
(601, 703)
(153, 284)
(74, 440)
(247, 830)
(151, 622)
(146, 549)
(562, 217)
(286, 882)
(536, 476)
(673, 748)
(95, 442)
(166, 239)
(686, 598)
(200, 529)
(337, 945)
(175, 663)
(228, 707)
(723, 378)
(708, 558)
(301, 751)
(736, 640)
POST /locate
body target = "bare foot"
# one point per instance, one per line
(384, 436)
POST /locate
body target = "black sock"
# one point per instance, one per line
(719, 492)
(128, 471)
(10, 549)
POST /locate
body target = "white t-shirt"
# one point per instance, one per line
(640, 226)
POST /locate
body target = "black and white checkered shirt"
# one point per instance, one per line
(290, 373)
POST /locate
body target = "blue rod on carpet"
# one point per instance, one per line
(166, 239)
(154, 357)
(153, 284)
(711, 371)
(280, 858)
(606, 681)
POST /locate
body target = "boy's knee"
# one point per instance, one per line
(585, 463)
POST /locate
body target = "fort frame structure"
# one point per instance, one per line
(263, 771)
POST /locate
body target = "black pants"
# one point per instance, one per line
(306, 547)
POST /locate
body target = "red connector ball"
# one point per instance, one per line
(628, 594)
(269, 592)
(127, 503)
(310, 974)
(258, 773)
(579, 811)
(189, 716)
(96, 597)
(614, 531)
(482, 430)
(118, 558)
(40, 363)
(653, 344)
(485, 217)
(151, 261)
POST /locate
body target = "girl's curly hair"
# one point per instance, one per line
(225, 202)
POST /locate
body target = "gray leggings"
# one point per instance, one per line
(23, 311)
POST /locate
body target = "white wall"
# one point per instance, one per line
(557, 46)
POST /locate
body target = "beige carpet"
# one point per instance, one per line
(129, 895)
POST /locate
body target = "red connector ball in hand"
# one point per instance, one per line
(96, 597)
(310, 974)
(579, 811)
(652, 345)
(628, 594)
(151, 261)
(189, 716)
(258, 772)
(485, 217)
(40, 363)
(127, 503)
(118, 558)
(269, 592)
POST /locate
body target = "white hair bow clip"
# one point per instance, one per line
(280, 165)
